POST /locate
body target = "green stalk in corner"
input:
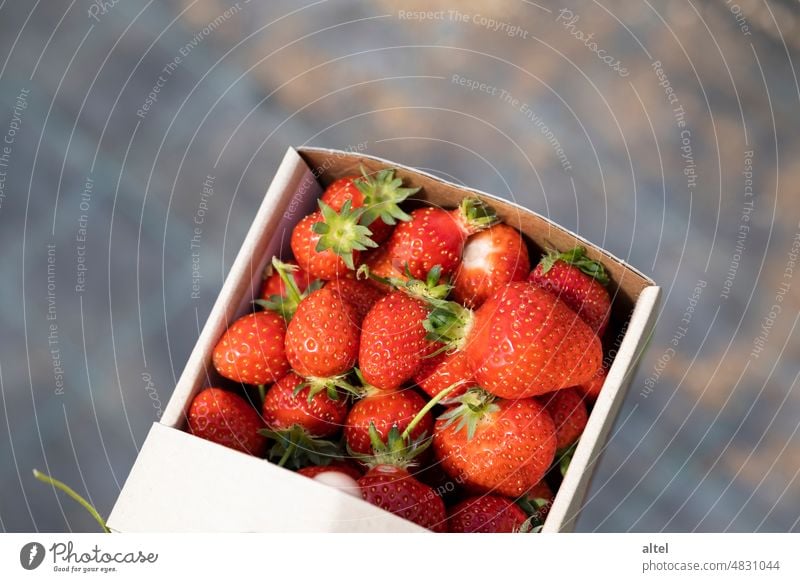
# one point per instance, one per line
(74, 495)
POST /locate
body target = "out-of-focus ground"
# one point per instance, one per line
(707, 439)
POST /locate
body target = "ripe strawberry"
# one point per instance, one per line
(379, 194)
(523, 341)
(360, 294)
(435, 236)
(349, 469)
(395, 490)
(384, 409)
(322, 338)
(273, 285)
(326, 244)
(226, 419)
(503, 446)
(491, 259)
(485, 514)
(393, 338)
(314, 405)
(290, 285)
(591, 389)
(569, 414)
(579, 282)
(442, 371)
(252, 349)
(300, 413)
(389, 485)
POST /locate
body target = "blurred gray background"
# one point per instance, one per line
(666, 132)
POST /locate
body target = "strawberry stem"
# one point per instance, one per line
(287, 454)
(284, 269)
(425, 409)
(262, 392)
(475, 215)
(286, 305)
(74, 495)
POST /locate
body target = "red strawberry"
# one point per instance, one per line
(485, 514)
(379, 194)
(293, 285)
(442, 371)
(226, 419)
(488, 444)
(395, 490)
(384, 410)
(252, 349)
(591, 389)
(294, 400)
(322, 338)
(326, 244)
(523, 341)
(393, 340)
(360, 294)
(491, 259)
(272, 284)
(579, 282)
(389, 485)
(569, 415)
(348, 469)
(435, 236)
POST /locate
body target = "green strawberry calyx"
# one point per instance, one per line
(449, 323)
(383, 192)
(295, 448)
(469, 410)
(533, 505)
(73, 495)
(400, 450)
(331, 385)
(286, 305)
(342, 233)
(433, 288)
(577, 258)
(396, 451)
(365, 388)
(475, 215)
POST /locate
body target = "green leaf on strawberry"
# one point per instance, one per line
(286, 305)
(383, 193)
(577, 258)
(472, 407)
(295, 448)
(342, 232)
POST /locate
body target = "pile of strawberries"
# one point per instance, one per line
(409, 355)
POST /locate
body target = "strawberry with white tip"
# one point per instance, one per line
(492, 258)
(435, 236)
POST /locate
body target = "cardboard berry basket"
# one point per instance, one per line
(177, 474)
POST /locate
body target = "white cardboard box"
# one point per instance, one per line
(181, 483)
